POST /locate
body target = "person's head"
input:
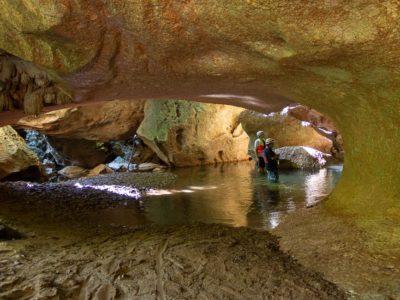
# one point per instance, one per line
(270, 142)
(260, 134)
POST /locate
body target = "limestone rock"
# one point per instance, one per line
(301, 158)
(187, 134)
(100, 169)
(72, 172)
(285, 129)
(148, 167)
(321, 124)
(114, 120)
(15, 157)
(28, 87)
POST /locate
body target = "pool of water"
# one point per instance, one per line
(231, 194)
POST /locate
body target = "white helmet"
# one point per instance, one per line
(260, 133)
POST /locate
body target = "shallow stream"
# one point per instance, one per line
(231, 194)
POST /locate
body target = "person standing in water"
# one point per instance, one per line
(259, 146)
(271, 160)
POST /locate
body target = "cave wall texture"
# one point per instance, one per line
(340, 57)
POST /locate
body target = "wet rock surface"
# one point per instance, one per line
(363, 262)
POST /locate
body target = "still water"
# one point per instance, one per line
(231, 194)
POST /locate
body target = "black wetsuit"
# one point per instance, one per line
(272, 164)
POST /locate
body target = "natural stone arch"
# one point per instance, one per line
(339, 57)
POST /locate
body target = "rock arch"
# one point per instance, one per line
(339, 57)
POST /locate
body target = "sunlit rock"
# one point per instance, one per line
(114, 120)
(301, 158)
(284, 129)
(187, 134)
(100, 169)
(16, 159)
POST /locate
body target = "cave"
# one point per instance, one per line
(339, 58)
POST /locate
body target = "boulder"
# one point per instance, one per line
(188, 133)
(72, 172)
(300, 157)
(113, 120)
(285, 129)
(148, 167)
(100, 169)
(17, 161)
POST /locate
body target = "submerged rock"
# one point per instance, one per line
(188, 134)
(17, 161)
(301, 158)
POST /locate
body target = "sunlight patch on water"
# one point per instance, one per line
(116, 189)
(315, 187)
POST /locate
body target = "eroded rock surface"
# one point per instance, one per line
(188, 134)
(25, 86)
(17, 161)
(114, 120)
(301, 158)
(284, 129)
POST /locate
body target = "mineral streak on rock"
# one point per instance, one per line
(339, 57)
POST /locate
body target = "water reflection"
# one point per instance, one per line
(232, 194)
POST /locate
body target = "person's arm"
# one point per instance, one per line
(256, 143)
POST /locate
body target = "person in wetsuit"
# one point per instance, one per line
(259, 146)
(271, 160)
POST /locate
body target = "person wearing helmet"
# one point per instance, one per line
(259, 146)
(271, 159)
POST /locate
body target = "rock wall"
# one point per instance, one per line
(16, 159)
(114, 120)
(286, 130)
(339, 57)
(188, 134)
